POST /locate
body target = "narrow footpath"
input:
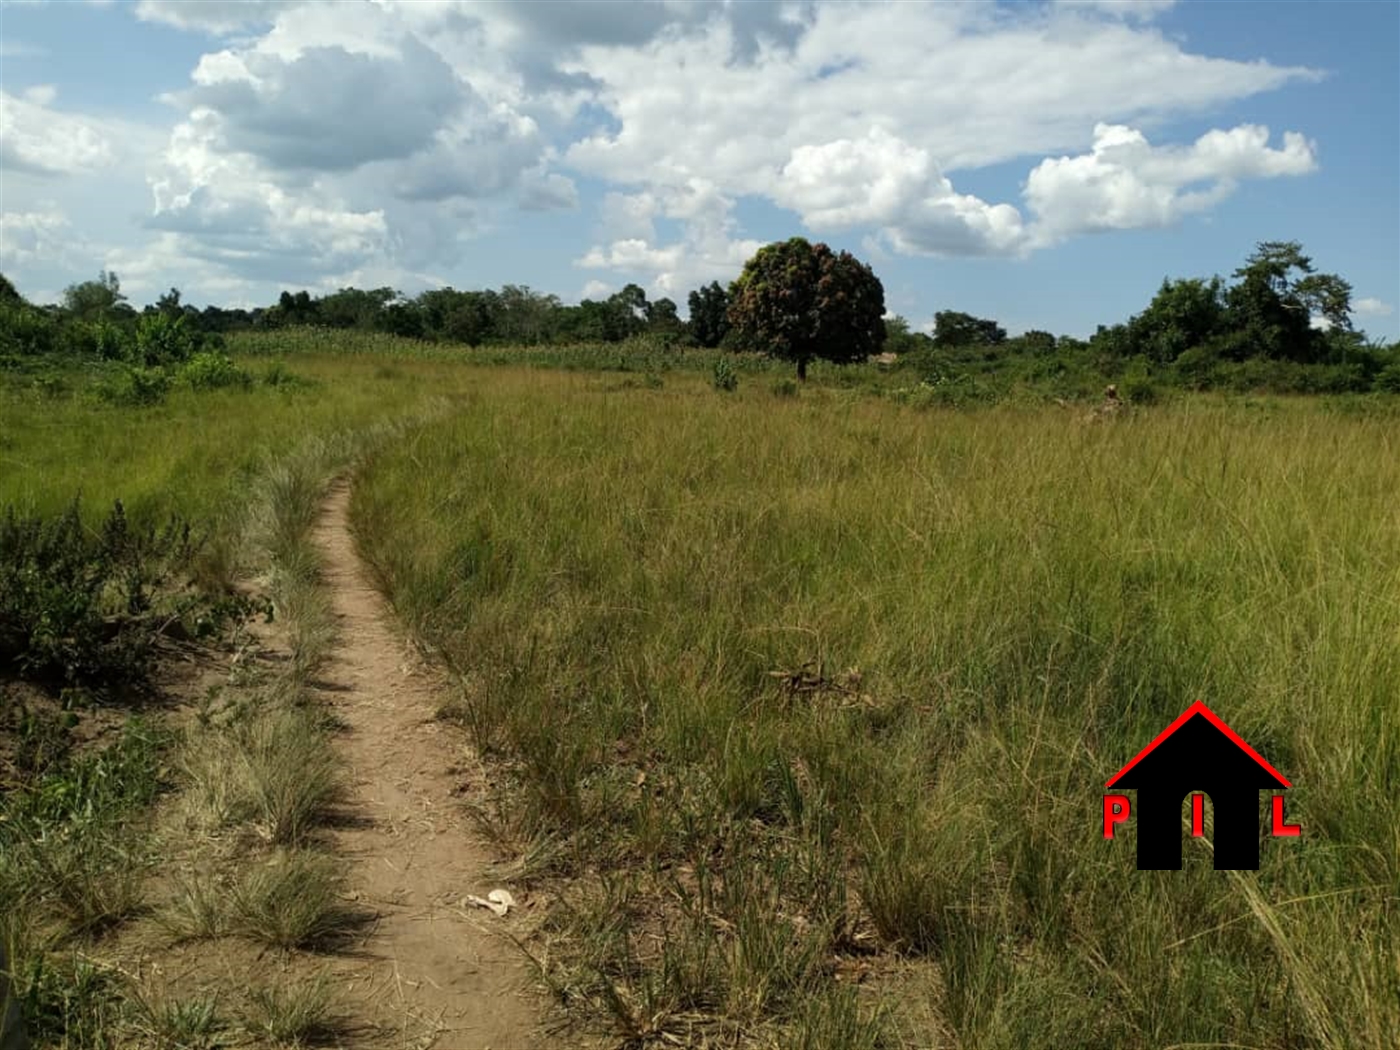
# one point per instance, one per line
(431, 960)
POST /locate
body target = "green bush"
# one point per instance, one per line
(785, 388)
(133, 385)
(25, 331)
(100, 339)
(279, 375)
(724, 376)
(1388, 381)
(210, 370)
(49, 385)
(1137, 388)
(76, 605)
(163, 340)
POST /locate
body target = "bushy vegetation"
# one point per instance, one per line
(782, 688)
(83, 858)
(1280, 327)
(86, 607)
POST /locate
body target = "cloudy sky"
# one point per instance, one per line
(1043, 164)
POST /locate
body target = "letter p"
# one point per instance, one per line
(1115, 811)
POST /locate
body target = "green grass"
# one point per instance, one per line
(248, 468)
(818, 669)
(293, 1015)
(777, 683)
(200, 452)
(292, 900)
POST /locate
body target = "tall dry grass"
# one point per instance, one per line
(796, 676)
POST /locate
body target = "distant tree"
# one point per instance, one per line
(403, 318)
(474, 318)
(709, 321)
(800, 301)
(951, 328)
(169, 303)
(217, 319)
(8, 292)
(526, 316)
(1182, 315)
(1271, 307)
(294, 309)
(94, 300)
(591, 321)
(354, 307)
(1038, 342)
(663, 316)
(627, 312)
(899, 339)
(1326, 296)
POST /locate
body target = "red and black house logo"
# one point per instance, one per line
(1197, 755)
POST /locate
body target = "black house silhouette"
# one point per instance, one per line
(1198, 752)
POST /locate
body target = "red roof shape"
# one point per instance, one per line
(1199, 708)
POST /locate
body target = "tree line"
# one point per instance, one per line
(795, 300)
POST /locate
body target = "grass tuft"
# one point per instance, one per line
(294, 900)
(293, 1015)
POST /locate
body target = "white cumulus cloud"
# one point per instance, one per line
(884, 182)
(1125, 182)
(39, 140)
(30, 236)
(1371, 307)
(212, 16)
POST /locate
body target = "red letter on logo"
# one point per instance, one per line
(1115, 811)
(1198, 815)
(1282, 830)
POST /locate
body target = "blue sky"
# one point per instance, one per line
(1043, 164)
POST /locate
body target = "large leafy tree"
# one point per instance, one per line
(801, 301)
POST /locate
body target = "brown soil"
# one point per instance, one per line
(446, 970)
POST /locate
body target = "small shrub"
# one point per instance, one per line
(279, 375)
(294, 1014)
(100, 339)
(1138, 390)
(725, 377)
(89, 879)
(195, 912)
(49, 385)
(212, 370)
(290, 775)
(179, 1024)
(133, 386)
(1388, 380)
(292, 902)
(785, 388)
(77, 605)
(25, 331)
(69, 1002)
(164, 340)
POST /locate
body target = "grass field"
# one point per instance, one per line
(133, 823)
(800, 702)
(794, 686)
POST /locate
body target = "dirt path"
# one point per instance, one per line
(437, 966)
